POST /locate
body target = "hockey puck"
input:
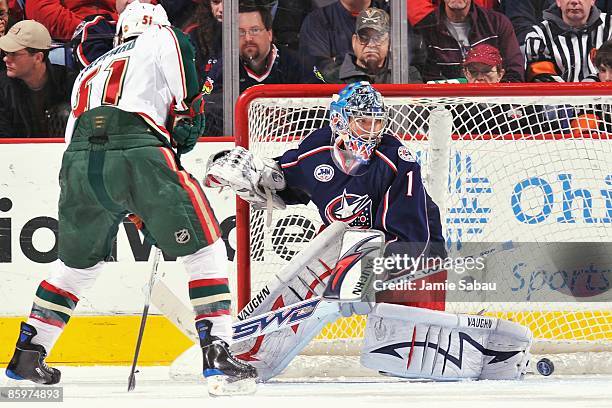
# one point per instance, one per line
(545, 367)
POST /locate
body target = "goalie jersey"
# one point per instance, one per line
(389, 196)
(123, 77)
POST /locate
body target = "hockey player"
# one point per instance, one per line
(356, 173)
(123, 157)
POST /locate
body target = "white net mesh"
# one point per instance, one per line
(522, 168)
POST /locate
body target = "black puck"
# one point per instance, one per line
(545, 367)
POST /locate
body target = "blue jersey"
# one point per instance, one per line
(389, 196)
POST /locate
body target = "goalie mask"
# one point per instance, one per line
(136, 18)
(358, 118)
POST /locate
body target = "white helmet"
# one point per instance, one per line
(137, 17)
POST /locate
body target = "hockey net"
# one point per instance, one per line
(525, 164)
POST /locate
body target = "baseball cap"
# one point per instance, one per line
(484, 54)
(373, 18)
(26, 34)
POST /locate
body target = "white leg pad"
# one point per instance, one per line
(420, 343)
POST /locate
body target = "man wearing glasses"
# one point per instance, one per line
(261, 62)
(484, 64)
(34, 92)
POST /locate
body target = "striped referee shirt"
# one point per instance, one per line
(555, 48)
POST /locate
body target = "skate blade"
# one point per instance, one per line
(222, 385)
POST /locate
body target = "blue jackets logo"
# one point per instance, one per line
(324, 173)
(353, 209)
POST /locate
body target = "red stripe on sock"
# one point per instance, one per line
(212, 314)
(51, 322)
(208, 282)
(47, 286)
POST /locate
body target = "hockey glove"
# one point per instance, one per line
(189, 127)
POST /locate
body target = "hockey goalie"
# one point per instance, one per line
(405, 337)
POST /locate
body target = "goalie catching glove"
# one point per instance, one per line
(189, 126)
(255, 180)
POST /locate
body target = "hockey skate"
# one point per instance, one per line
(28, 362)
(224, 374)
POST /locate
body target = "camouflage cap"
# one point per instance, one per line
(373, 18)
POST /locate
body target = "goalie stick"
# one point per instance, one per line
(143, 319)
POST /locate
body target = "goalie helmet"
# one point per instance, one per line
(358, 117)
(136, 18)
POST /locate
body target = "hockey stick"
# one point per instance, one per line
(143, 319)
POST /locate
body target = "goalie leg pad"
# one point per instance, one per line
(305, 277)
(417, 343)
(271, 353)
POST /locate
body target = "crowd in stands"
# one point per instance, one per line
(45, 43)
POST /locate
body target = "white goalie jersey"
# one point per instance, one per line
(146, 83)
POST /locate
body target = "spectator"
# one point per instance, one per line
(33, 92)
(460, 25)
(4, 18)
(16, 10)
(603, 62)
(206, 35)
(326, 33)
(484, 65)
(95, 35)
(92, 38)
(261, 62)
(597, 117)
(62, 17)
(418, 10)
(557, 49)
(524, 14)
(369, 60)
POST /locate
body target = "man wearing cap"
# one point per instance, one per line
(35, 93)
(325, 35)
(369, 60)
(483, 65)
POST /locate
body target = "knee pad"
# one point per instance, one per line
(74, 280)
(207, 263)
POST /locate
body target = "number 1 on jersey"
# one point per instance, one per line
(114, 81)
(409, 190)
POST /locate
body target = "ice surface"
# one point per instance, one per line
(107, 387)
